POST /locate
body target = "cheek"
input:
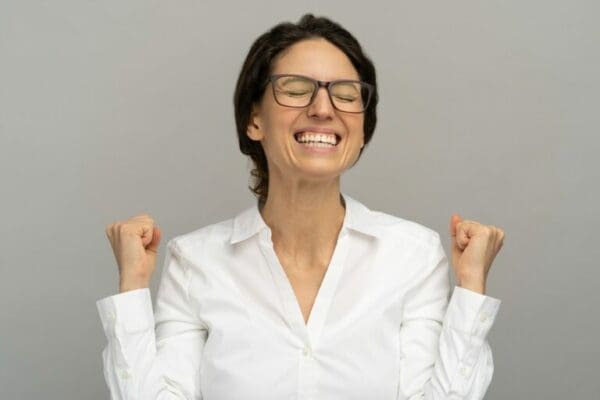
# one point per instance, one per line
(279, 126)
(277, 129)
(356, 129)
(283, 120)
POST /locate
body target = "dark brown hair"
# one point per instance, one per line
(255, 73)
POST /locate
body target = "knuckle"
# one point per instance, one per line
(125, 228)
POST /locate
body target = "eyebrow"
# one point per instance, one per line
(322, 80)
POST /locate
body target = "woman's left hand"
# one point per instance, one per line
(474, 247)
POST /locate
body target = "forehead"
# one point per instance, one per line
(317, 58)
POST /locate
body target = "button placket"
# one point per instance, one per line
(306, 373)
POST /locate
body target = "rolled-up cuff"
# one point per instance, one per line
(471, 312)
(129, 311)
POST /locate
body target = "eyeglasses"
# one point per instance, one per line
(300, 91)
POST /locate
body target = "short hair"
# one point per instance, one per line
(258, 65)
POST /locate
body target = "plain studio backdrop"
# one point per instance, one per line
(109, 109)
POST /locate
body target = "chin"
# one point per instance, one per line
(320, 174)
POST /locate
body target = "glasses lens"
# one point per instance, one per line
(293, 91)
(350, 96)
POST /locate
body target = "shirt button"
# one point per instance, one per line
(483, 317)
(111, 316)
(124, 374)
(306, 351)
(464, 371)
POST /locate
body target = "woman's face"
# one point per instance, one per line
(276, 126)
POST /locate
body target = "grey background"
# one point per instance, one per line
(111, 108)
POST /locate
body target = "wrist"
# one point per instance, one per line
(475, 285)
(126, 286)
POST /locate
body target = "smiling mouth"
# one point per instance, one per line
(317, 138)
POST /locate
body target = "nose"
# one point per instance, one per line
(321, 106)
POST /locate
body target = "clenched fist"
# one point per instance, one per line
(474, 247)
(134, 242)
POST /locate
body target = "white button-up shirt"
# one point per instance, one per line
(227, 324)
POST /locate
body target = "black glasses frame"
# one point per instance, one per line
(326, 84)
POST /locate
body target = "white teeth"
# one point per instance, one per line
(317, 144)
(327, 139)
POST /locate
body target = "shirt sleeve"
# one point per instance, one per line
(141, 362)
(445, 354)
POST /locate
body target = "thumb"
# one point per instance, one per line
(454, 220)
(153, 245)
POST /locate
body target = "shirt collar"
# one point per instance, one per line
(358, 217)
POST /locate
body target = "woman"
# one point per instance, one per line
(308, 294)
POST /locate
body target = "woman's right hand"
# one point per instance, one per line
(135, 243)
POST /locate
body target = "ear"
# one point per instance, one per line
(253, 130)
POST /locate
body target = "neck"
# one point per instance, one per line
(305, 219)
